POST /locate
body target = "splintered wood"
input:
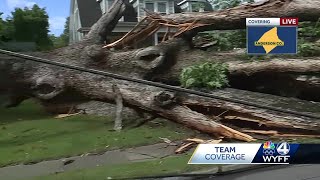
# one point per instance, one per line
(184, 148)
(61, 116)
(193, 142)
(150, 25)
(276, 134)
(270, 133)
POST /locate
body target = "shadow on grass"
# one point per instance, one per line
(32, 138)
(28, 110)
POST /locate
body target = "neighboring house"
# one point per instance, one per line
(195, 6)
(84, 13)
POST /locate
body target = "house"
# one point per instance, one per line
(195, 6)
(84, 13)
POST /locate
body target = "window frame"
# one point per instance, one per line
(156, 6)
(150, 2)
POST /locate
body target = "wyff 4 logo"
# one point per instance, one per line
(276, 154)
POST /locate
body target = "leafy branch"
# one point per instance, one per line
(206, 75)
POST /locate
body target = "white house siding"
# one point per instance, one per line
(75, 23)
(171, 7)
(103, 5)
(71, 26)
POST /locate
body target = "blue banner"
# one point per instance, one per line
(272, 40)
(253, 153)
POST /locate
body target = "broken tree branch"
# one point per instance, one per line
(107, 22)
(119, 107)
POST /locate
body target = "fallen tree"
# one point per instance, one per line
(54, 85)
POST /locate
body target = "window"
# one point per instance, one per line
(150, 6)
(197, 7)
(160, 7)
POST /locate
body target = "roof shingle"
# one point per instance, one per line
(89, 11)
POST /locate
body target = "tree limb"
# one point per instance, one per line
(107, 22)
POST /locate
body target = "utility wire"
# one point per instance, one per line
(151, 83)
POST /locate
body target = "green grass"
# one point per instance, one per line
(29, 110)
(28, 134)
(165, 166)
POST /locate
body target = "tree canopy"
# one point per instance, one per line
(1, 27)
(27, 25)
(32, 25)
(224, 4)
(63, 39)
(6, 29)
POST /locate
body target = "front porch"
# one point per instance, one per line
(124, 27)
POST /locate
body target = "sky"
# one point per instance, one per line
(58, 11)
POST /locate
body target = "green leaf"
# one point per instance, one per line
(205, 75)
(190, 82)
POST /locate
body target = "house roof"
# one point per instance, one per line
(89, 11)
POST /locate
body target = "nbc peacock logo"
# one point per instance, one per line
(268, 148)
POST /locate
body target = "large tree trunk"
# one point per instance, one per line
(54, 85)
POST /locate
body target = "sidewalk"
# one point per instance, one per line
(125, 156)
(142, 153)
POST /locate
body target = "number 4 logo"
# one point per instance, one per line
(283, 148)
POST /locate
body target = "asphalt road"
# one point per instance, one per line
(276, 172)
(292, 172)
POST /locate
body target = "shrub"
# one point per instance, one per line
(309, 33)
(206, 75)
(308, 49)
(226, 40)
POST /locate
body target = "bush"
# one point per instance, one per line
(308, 49)
(309, 30)
(227, 40)
(308, 44)
(207, 75)
(224, 4)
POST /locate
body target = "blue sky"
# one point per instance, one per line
(58, 11)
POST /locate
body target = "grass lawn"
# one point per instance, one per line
(28, 134)
(169, 165)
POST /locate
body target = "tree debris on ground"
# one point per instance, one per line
(192, 142)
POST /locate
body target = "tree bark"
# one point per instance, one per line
(119, 107)
(234, 18)
(263, 118)
(54, 85)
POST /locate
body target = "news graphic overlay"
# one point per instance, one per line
(275, 153)
(224, 153)
(265, 153)
(272, 35)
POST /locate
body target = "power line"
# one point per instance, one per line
(151, 83)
